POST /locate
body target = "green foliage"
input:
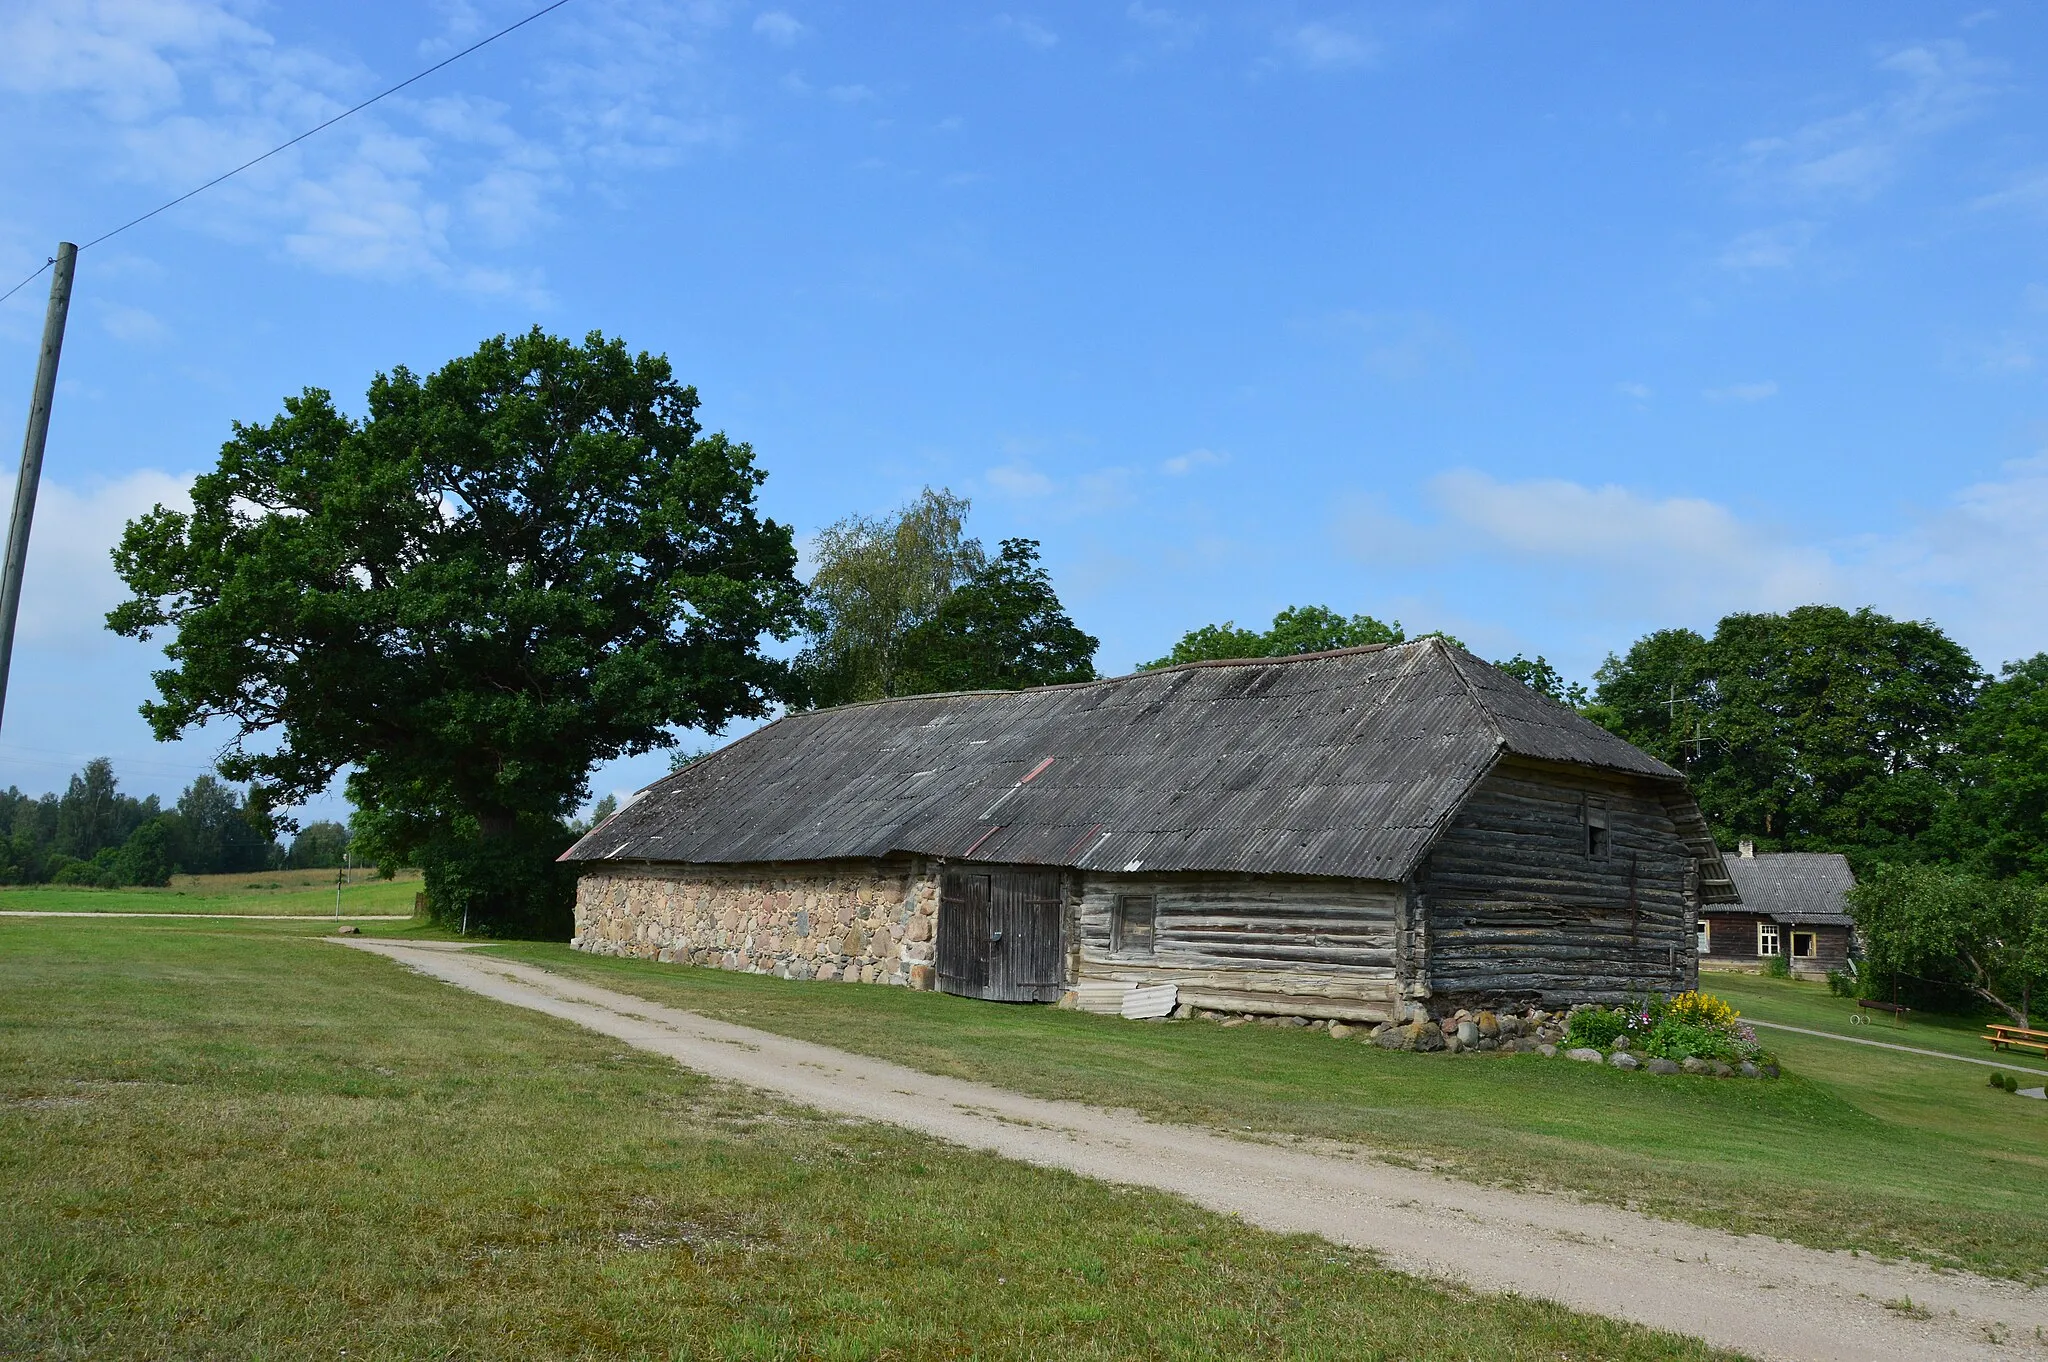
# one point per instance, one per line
(149, 855)
(1297, 629)
(877, 580)
(1778, 967)
(319, 846)
(1999, 823)
(1544, 679)
(1674, 1038)
(1595, 1028)
(1002, 629)
(1989, 937)
(1817, 729)
(1844, 983)
(527, 562)
(2011, 1083)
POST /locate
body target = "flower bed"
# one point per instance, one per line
(1694, 1031)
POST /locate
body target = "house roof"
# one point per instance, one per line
(1345, 763)
(1804, 887)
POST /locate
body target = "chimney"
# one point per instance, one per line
(1746, 849)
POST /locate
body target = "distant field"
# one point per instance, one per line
(1856, 1148)
(228, 1140)
(298, 892)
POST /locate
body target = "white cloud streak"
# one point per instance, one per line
(1977, 565)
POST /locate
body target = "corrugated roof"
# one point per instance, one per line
(1795, 886)
(1344, 763)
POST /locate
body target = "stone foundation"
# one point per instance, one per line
(861, 922)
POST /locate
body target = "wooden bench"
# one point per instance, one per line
(2017, 1038)
(1896, 1009)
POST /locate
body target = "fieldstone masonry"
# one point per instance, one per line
(859, 922)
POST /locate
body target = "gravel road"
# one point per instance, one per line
(1755, 1295)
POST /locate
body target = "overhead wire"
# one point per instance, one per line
(286, 146)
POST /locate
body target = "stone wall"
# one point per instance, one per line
(861, 922)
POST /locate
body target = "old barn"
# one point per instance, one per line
(1361, 834)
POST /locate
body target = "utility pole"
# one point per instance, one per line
(32, 455)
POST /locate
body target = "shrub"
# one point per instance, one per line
(1997, 1079)
(1676, 1038)
(1702, 1008)
(2011, 1083)
(1778, 967)
(1843, 983)
(1596, 1028)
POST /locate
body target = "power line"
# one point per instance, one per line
(284, 146)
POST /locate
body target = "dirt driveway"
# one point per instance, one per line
(1756, 1295)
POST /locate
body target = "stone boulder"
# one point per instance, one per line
(1489, 1025)
(1622, 1059)
(1585, 1054)
(1660, 1066)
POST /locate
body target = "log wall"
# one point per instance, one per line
(1517, 910)
(1242, 943)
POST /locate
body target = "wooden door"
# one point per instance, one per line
(999, 935)
(964, 934)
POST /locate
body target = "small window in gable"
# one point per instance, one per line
(1598, 837)
(1130, 924)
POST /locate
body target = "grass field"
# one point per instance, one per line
(236, 1140)
(307, 893)
(1855, 1148)
(1797, 1002)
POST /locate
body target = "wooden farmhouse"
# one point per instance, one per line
(1366, 834)
(1795, 904)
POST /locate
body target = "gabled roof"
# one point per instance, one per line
(1345, 763)
(1805, 887)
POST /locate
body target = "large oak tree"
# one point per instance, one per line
(529, 561)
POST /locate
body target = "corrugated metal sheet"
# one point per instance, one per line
(1332, 764)
(1805, 887)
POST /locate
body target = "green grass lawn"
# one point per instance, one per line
(1796, 1002)
(308, 893)
(236, 1140)
(1854, 1148)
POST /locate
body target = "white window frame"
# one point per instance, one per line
(1767, 940)
(1703, 936)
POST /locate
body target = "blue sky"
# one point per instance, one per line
(1544, 325)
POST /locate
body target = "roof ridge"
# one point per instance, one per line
(1486, 713)
(1121, 677)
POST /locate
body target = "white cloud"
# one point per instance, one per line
(1401, 346)
(418, 188)
(1767, 248)
(2029, 190)
(1171, 27)
(1977, 564)
(1019, 481)
(133, 324)
(1182, 464)
(780, 28)
(1854, 154)
(1326, 46)
(1026, 30)
(1680, 553)
(1641, 392)
(850, 94)
(1761, 391)
(69, 583)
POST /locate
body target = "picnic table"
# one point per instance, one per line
(2003, 1037)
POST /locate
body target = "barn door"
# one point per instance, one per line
(999, 935)
(964, 934)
